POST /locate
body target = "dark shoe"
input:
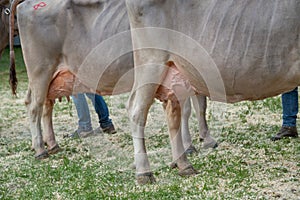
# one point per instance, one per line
(285, 131)
(110, 129)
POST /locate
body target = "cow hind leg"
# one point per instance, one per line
(173, 112)
(35, 101)
(27, 103)
(138, 107)
(200, 105)
(35, 110)
(48, 133)
(186, 136)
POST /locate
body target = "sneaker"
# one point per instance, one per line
(286, 131)
(110, 129)
(81, 134)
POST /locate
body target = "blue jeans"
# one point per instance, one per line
(289, 107)
(83, 113)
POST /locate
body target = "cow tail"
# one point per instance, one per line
(13, 81)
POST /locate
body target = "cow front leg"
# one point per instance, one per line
(48, 133)
(173, 112)
(200, 105)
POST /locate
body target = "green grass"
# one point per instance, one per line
(246, 165)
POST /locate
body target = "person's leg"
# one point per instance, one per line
(290, 108)
(83, 113)
(289, 115)
(102, 112)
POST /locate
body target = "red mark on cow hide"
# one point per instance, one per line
(39, 5)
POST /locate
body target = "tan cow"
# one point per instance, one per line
(229, 50)
(89, 39)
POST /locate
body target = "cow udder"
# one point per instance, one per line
(61, 85)
(175, 86)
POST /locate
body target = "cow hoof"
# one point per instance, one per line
(188, 171)
(42, 155)
(190, 150)
(132, 166)
(212, 144)
(173, 165)
(146, 178)
(54, 149)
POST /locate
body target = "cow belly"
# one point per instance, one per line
(175, 86)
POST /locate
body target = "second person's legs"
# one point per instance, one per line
(102, 112)
(289, 115)
(83, 113)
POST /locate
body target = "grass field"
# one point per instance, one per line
(246, 165)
